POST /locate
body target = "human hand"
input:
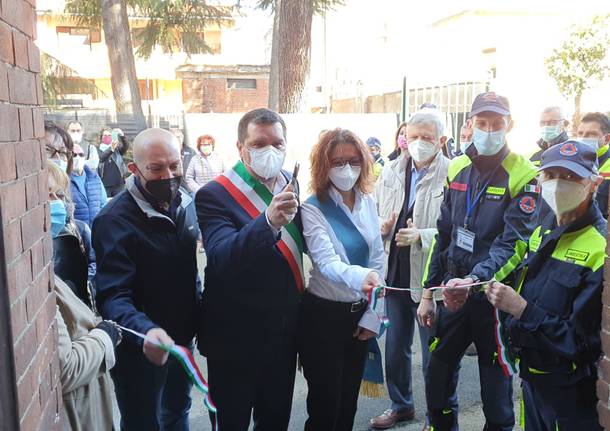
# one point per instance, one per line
(407, 236)
(153, 352)
(371, 281)
(426, 312)
(454, 296)
(283, 207)
(112, 330)
(363, 334)
(386, 226)
(505, 298)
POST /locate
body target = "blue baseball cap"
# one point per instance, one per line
(573, 155)
(373, 142)
(490, 102)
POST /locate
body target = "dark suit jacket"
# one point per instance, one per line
(250, 294)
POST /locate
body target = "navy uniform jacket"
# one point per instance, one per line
(502, 221)
(535, 158)
(558, 335)
(147, 266)
(250, 293)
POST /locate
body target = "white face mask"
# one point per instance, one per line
(63, 165)
(266, 162)
(563, 195)
(77, 137)
(421, 150)
(488, 143)
(78, 163)
(344, 178)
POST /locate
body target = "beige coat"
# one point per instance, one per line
(390, 194)
(85, 358)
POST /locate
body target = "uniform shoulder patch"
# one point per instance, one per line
(527, 204)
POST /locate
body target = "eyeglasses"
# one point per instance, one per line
(79, 154)
(339, 163)
(551, 122)
(52, 152)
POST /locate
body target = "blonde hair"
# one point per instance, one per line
(59, 182)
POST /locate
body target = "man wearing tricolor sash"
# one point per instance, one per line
(253, 279)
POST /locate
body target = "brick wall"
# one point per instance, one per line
(25, 221)
(212, 95)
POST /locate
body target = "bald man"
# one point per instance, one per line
(145, 240)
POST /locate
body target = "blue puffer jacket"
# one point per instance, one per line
(88, 200)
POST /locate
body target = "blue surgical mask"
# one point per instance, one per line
(58, 216)
(548, 133)
(592, 142)
(488, 143)
(104, 147)
(63, 165)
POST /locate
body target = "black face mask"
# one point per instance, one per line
(165, 190)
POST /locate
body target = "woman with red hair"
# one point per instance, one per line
(204, 166)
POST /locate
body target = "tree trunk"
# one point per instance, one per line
(274, 84)
(294, 36)
(576, 116)
(122, 62)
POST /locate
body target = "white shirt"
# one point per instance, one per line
(332, 276)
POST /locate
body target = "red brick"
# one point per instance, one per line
(30, 420)
(25, 349)
(13, 193)
(8, 166)
(27, 154)
(25, 123)
(20, 84)
(19, 275)
(26, 389)
(38, 262)
(19, 14)
(20, 46)
(9, 119)
(37, 113)
(50, 419)
(6, 44)
(32, 226)
(604, 367)
(18, 318)
(31, 192)
(12, 240)
(4, 95)
(46, 317)
(39, 93)
(43, 185)
(36, 296)
(33, 57)
(47, 243)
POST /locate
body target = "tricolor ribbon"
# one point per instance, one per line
(185, 358)
(420, 289)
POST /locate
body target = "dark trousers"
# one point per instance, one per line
(453, 333)
(151, 398)
(333, 361)
(402, 313)
(564, 408)
(257, 384)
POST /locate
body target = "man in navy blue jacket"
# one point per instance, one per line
(253, 280)
(147, 280)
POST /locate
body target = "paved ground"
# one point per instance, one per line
(471, 416)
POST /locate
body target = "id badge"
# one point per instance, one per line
(465, 239)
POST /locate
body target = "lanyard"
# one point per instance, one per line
(470, 204)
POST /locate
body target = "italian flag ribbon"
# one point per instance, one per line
(185, 358)
(254, 198)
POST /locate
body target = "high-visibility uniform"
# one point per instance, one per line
(603, 159)
(557, 338)
(489, 211)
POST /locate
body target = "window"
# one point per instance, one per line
(240, 84)
(88, 35)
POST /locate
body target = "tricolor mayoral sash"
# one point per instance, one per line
(254, 198)
(357, 251)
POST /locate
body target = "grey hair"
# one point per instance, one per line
(428, 116)
(557, 109)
